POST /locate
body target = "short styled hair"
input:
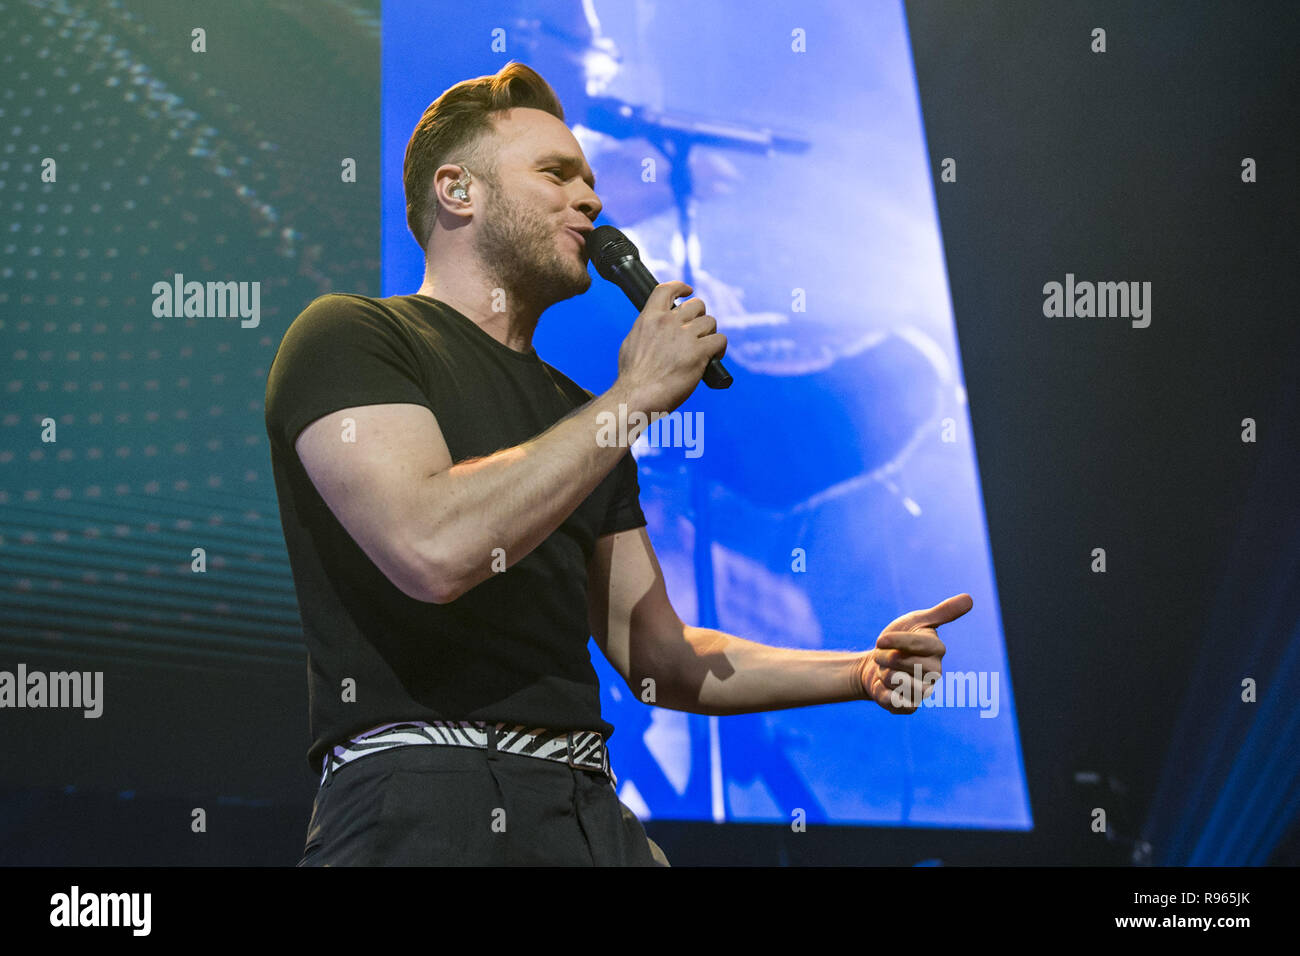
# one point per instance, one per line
(452, 129)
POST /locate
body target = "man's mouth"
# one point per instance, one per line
(582, 242)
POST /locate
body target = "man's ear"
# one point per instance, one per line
(452, 184)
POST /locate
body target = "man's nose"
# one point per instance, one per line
(590, 205)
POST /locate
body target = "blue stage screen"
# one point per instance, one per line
(834, 486)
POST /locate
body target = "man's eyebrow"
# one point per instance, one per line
(564, 159)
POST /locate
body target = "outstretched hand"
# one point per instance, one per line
(909, 646)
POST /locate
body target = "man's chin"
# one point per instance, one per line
(577, 286)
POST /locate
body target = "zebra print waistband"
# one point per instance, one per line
(577, 748)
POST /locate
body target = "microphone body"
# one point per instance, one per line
(617, 260)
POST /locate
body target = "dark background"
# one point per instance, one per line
(1090, 433)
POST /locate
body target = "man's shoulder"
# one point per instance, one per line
(342, 324)
(348, 304)
(337, 315)
(344, 349)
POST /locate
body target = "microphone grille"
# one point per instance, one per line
(607, 245)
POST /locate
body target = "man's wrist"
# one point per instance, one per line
(859, 675)
(637, 396)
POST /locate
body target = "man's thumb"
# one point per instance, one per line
(943, 612)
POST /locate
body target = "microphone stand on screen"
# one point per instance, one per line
(675, 136)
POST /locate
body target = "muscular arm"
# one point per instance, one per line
(432, 526)
(700, 670)
(729, 675)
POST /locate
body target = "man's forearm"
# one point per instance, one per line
(515, 498)
(724, 674)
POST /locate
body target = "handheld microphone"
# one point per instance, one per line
(616, 258)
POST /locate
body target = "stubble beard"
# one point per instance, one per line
(518, 250)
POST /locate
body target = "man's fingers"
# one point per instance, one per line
(895, 661)
(893, 708)
(689, 310)
(941, 613)
(925, 643)
(899, 676)
(905, 691)
(908, 656)
(702, 325)
(664, 293)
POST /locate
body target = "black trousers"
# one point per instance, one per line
(458, 806)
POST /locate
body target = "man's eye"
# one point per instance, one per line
(554, 169)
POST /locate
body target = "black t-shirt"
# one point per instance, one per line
(513, 648)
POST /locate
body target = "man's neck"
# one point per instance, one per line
(513, 328)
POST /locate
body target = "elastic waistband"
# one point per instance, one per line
(584, 749)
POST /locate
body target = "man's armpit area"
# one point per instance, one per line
(369, 464)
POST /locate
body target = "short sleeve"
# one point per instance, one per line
(342, 351)
(624, 512)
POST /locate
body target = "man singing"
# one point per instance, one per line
(458, 526)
